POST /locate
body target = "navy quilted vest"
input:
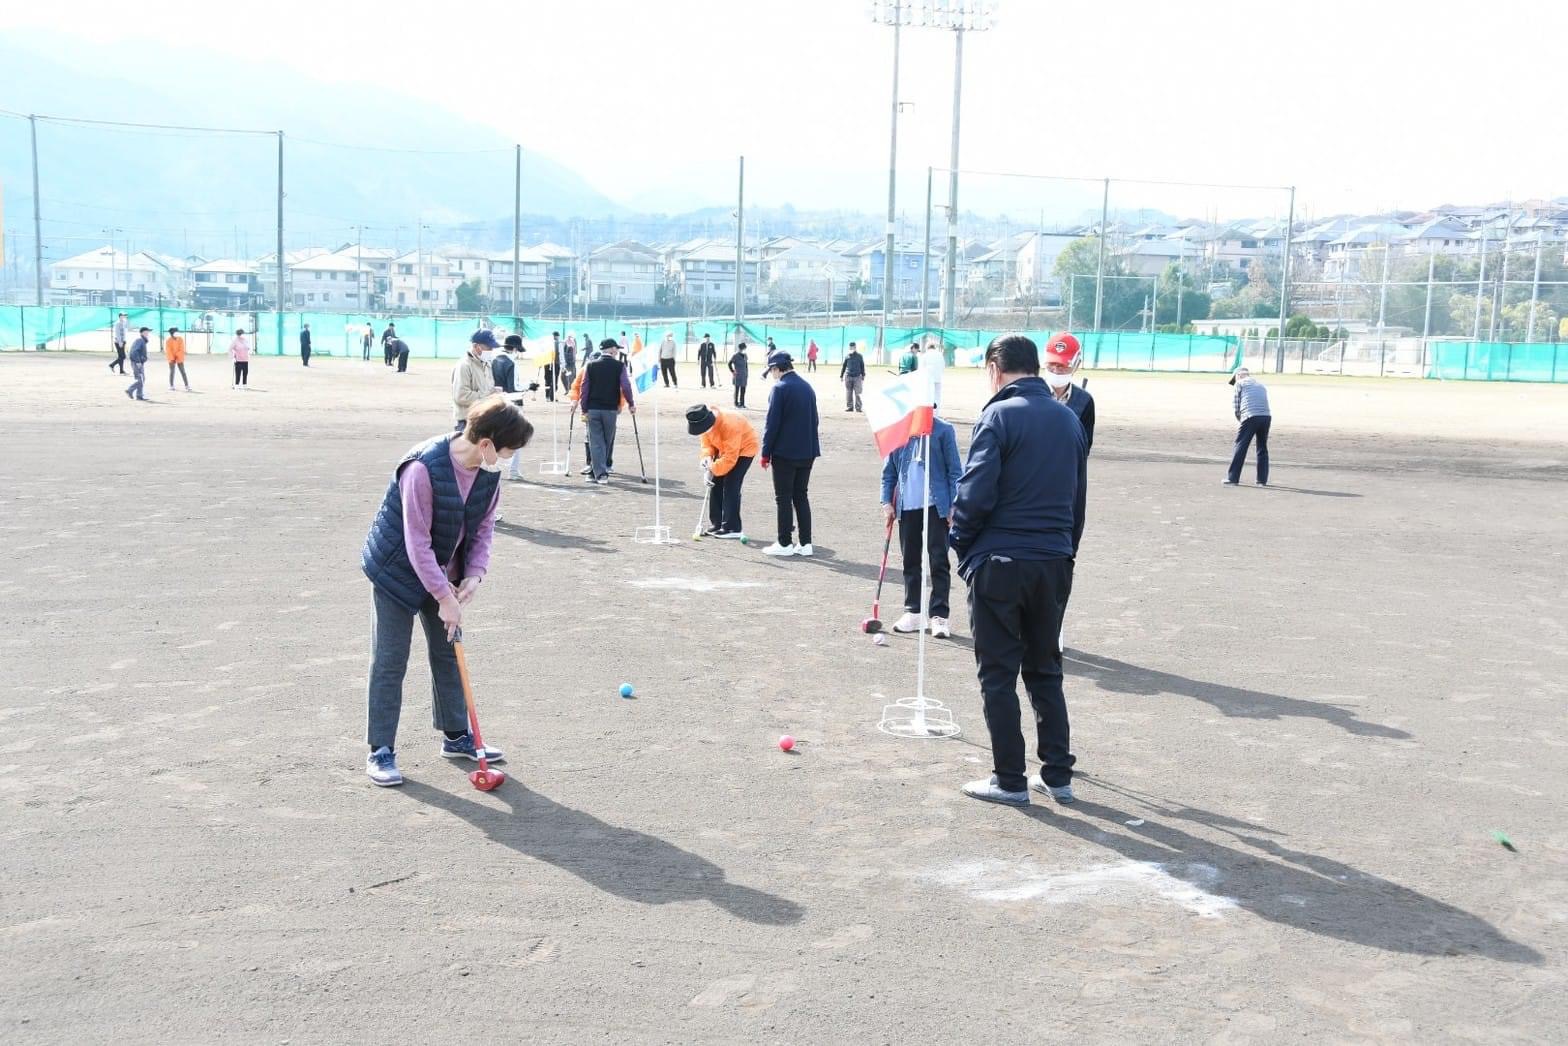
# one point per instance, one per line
(384, 558)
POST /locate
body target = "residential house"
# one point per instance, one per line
(226, 284)
(801, 270)
(267, 267)
(623, 273)
(705, 276)
(560, 270)
(1035, 264)
(468, 264)
(328, 283)
(109, 274)
(906, 273)
(422, 282)
(375, 266)
(533, 268)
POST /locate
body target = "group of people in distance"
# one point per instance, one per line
(1013, 513)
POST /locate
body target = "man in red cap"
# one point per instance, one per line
(1063, 354)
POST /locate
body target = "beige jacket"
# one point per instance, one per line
(471, 382)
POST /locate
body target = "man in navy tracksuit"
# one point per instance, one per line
(791, 447)
(1017, 522)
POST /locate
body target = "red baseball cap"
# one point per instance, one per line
(1063, 348)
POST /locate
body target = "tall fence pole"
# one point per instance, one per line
(1535, 289)
(1284, 281)
(1480, 285)
(1382, 294)
(950, 295)
(740, 254)
(517, 235)
(281, 281)
(925, 268)
(1426, 320)
(38, 222)
(892, 193)
(1099, 277)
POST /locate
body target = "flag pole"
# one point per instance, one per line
(925, 586)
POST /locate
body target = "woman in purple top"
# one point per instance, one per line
(427, 552)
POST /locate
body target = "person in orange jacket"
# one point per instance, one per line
(729, 445)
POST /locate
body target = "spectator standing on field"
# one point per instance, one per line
(1251, 407)
(138, 386)
(368, 337)
(606, 385)
(707, 353)
(121, 329)
(853, 374)
(471, 378)
(386, 338)
(739, 368)
(1017, 523)
(667, 360)
(239, 352)
(568, 367)
(791, 447)
(811, 357)
(934, 361)
(904, 502)
(729, 445)
(174, 352)
(304, 344)
(552, 369)
(1062, 354)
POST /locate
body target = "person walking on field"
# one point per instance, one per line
(739, 367)
(790, 445)
(811, 357)
(568, 364)
(1251, 407)
(667, 360)
(606, 385)
(174, 352)
(552, 367)
(729, 445)
(707, 353)
(853, 374)
(471, 378)
(386, 337)
(138, 386)
(904, 502)
(121, 329)
(304, 344)
(239, 352)
(934, 362)
(426, 555)
(1017, 522)
(369, 336)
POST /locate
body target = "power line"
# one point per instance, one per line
(142, 126)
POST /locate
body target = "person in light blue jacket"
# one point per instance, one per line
(904, 499)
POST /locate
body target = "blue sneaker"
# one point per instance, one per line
(381, 765)
(463, 748)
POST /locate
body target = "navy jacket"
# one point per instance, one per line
(854, 366)
(504, 371)
(1023, 490)
(384, 559)
(1082, 404)
(945, 468)
(790, 432)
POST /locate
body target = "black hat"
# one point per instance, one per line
(514, 341)
(699, 419)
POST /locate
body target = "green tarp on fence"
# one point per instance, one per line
(1497, 361)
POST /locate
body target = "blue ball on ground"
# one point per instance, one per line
(626, 690)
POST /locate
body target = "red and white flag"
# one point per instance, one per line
(900, 410)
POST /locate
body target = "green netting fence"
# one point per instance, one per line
(1497, 361)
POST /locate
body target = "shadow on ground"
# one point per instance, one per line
(1301, 890)
(1123, 678)
(552, 538)
(626, 863)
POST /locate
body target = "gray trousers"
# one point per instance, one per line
(391, 631)
(601, 440)
(852, 387)
(138, 379)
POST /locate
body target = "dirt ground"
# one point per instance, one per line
(1300, 715)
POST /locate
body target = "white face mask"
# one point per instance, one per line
(489, 466)
(1058, 381)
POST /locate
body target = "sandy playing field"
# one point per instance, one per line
(1300, 715)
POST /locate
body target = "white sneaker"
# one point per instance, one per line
(381, 766)
(908, 623)
(804, 550)
(1061, 793)
(989, 791)
(939, 629)
(777, 549)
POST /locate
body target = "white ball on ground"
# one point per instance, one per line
(879, 639)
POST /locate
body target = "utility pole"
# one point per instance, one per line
(925, 265)
(1426, 320)
(1382, 296)
(114, 276)
(740, 250)
(517, 232)
(1535, 288)
(1181, 257)
(950, 297)
(1284, 282)
(282, 282)
(419, 264)
(1480, 285)
(892, 186)
(1099, 278)
(1502, 283)
(362, 299)
(38, 222)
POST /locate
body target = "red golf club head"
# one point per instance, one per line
(871, 626)
(487, 780)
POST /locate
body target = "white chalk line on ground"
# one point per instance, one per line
(688, 584)
(993, 880)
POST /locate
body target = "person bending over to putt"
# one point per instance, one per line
(1251, 407)
(427, 552)
(729, 445)
(1017, 522)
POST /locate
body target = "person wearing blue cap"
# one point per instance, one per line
(472, 380)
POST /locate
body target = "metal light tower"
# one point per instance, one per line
(896, 13)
